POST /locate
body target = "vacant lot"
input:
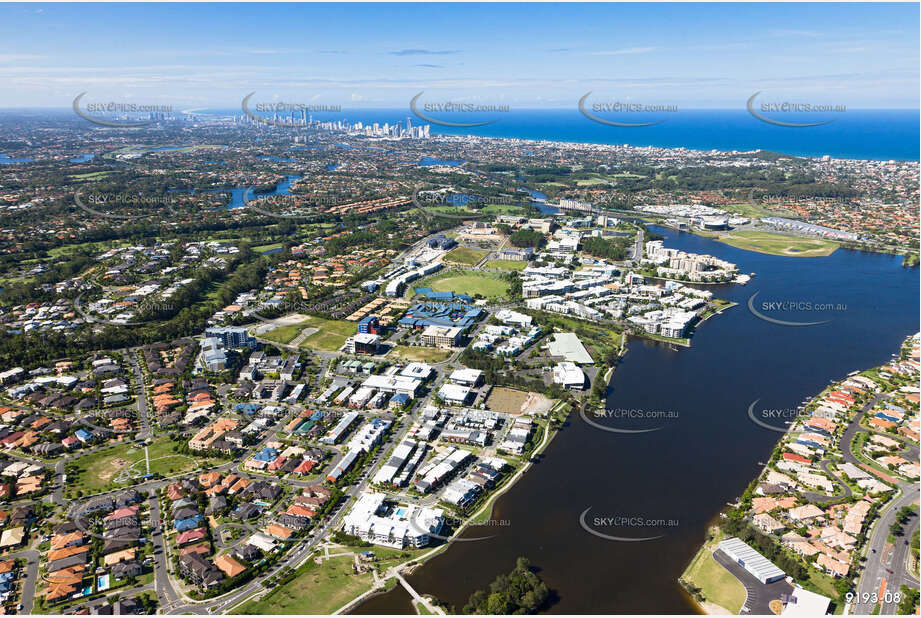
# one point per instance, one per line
(425, 355)
(718, 586)
(506, 265)
(317, 589)
(463, 255)
(779, 244)
(471, 283)
(506, 400)
(329, 336)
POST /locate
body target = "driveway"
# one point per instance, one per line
(759, 595)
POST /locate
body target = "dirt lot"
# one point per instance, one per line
(516, 402)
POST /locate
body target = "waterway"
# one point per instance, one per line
(704, 451)
(239, 196)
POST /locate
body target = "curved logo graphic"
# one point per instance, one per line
(758, 314)
(108, 123)
(412, 106)
(450, 539)
(93, 211)
(608, 537)
(126, 413)
(612, 123)
(435, 213)
(612, 429)
(272, 122)
(780, 123)
(250, 206)
(89, 318)
(761, 423)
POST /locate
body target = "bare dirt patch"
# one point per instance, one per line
(111, 469)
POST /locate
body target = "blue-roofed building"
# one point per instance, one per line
(246, 408)
(885, 416)
(399, 399)
(267, 454)
(459, 315)
(370, 324)
(318, 415)
(188, 523)
(83, 435)
(443, 296)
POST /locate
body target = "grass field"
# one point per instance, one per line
(506, 264)
(100, 471)
(463, 255)
(271, 247)
(471, 283)
(284, 334)
(755, 211)
(718, 585)
(91, 175)
(331, 334)
(425, 355)
(779, 244)
(317, 589)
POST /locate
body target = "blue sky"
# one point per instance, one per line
(523, 55)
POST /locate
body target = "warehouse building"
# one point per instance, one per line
(760, 567)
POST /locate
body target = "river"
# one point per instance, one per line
(705, 450)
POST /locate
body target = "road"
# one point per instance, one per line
(883, 561)
(28, 585)
(143, 422)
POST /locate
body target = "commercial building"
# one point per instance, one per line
(569, 346)
(377, 520)
(232, 337)
(394, 384)
(369, 324)
(441, 336)
(568, 375)
(760, 567)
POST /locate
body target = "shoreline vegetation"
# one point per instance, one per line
(707, 583)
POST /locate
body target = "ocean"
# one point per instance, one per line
(855, 134)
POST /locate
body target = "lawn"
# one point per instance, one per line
(330, 335)
(283, 334)
(99, 471)
(717, 585)
(506, 264)
(463, 255)
(779, 244)
(756, 211)
(272, 247)
(425, 355)
(471, 283)
(317, 589)
(91, 176)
